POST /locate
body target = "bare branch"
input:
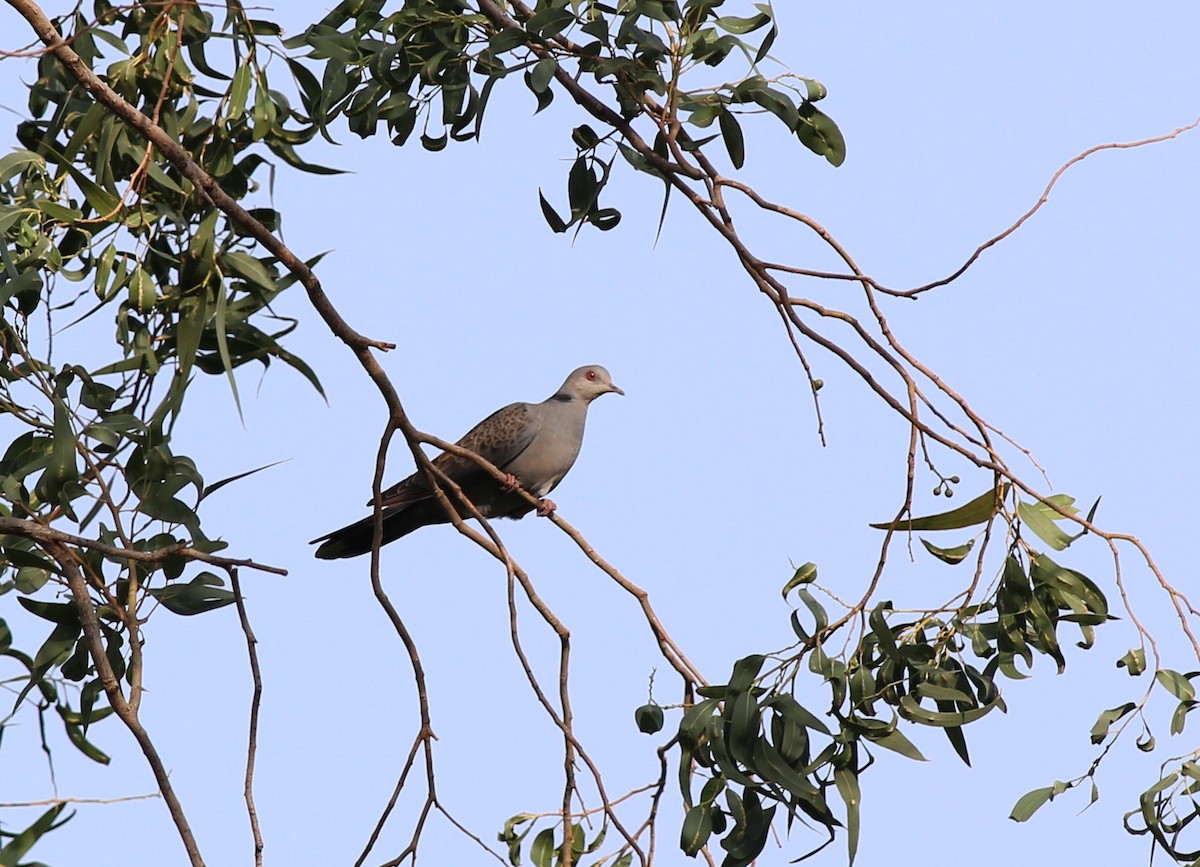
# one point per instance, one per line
(255, 702)
(47, 535)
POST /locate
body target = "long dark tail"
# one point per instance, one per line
(355, 539)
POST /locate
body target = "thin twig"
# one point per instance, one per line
(47, 535)
(50, 802)
(255, 702)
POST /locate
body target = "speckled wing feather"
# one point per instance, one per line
(499, 438)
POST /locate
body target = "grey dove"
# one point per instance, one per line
(536, 443)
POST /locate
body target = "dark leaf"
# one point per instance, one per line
(22, 842)
(203, 593)
(731, 132)
(820, 134)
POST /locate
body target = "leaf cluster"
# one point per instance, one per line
(96, 225)
(432, 65)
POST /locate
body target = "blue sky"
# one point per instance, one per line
(1076, 336)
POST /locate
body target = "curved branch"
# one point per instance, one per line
(90, 624)
(48, 535)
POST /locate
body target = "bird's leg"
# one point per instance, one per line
(511, 483)
(545, 507)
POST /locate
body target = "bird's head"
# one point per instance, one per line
(588, 383)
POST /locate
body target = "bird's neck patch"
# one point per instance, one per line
(564, 398)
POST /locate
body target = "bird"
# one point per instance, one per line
(534, 443)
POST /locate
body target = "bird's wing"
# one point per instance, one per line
(499, 438)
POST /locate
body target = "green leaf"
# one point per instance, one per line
(731, 132)
(765, 47)
(958, 740)
(953, 555)
(506, 40)
(21, 843)
(62, 467)
(1030, 802)
(216, 486)
(542, 74)
(745, 671)
(555, 222)
(26, 282)
(582, 186)
(604, 219)
(734, 24)
(820, 617)
(541, 853)
(745, 724)
(898, 742)
(142, 292)
(814, 90)
(79, 740)
(806, 574)
(769, 764)
(55, 612)
(1176, 684)
(697, 826)
(847, 785)
(15, 162)
(820, 134)
(1039, 520)
(1134, 661)
(1107, 718)
(1179, 718)
(250, 269)
(203, 593)
(793, 710)
(978, 511)
(941, 693)
(238, 92)
(910, 709)
(57, 646)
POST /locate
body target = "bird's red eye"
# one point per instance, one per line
(591, 374)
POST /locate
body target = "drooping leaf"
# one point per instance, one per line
(1030, 802)
(731, 132)
(953, 555)
(977, 511)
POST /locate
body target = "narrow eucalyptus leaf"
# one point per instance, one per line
(731, 132)
(897, 742)
(1040, 523)
(978, 511)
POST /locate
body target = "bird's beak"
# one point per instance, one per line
(617, 389)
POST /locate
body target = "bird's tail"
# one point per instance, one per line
(355, 539)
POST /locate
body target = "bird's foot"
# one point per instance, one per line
(545, 507)
(511, 483)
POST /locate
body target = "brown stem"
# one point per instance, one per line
(255, 702)
(90, 624)
(48, 535)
